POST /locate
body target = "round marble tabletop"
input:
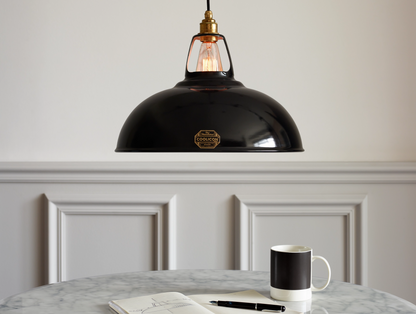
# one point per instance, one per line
(92, 294)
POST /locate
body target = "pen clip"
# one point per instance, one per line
(270, 307)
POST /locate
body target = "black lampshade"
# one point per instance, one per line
(209, 112)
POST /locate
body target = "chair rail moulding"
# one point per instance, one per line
(162, 208)
(354, 208)
(208, 172)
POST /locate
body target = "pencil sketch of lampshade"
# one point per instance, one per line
(209, 111)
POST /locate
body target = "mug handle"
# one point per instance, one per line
(313, 288)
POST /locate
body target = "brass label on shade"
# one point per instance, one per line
(207, 139)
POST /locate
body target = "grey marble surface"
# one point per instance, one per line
(91, 295)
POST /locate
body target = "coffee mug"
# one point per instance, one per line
(291, 273)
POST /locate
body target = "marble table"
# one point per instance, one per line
(91, 295)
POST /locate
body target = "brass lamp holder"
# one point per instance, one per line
(208, 26)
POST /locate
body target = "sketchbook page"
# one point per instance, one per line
(162, 303)
(250, 296)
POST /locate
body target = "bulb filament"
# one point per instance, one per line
(209, 58)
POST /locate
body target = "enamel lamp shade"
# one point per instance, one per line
(209, 111)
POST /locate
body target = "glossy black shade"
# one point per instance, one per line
(209, 112)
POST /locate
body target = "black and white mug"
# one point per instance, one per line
(291, 273)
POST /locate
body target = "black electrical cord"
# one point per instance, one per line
(208, 8)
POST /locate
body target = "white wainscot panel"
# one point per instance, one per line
(92, 235)
(335, 226)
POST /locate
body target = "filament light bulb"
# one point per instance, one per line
(209, 59)
(209, 55)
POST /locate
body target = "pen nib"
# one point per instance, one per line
(213, 302)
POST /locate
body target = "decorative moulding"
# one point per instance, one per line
(162, 208)
(208, 172)
(353, 207)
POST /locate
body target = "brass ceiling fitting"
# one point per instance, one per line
(208, 26)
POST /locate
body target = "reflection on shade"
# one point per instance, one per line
(267, 142)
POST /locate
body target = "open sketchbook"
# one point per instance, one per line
(178, 303)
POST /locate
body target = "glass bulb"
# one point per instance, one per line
(209, 59)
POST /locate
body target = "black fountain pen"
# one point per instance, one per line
(251, 306)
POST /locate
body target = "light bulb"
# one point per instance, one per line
(209, 59)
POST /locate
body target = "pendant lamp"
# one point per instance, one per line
(209, 111)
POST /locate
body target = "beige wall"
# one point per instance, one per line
(72, 71)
